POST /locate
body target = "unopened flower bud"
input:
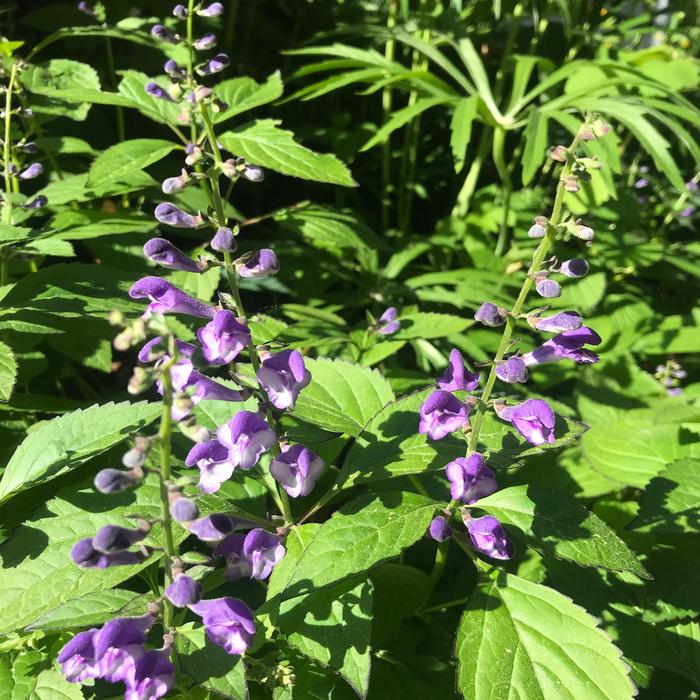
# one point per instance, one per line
(559, 153)
(538, 229)
(585, 233)
(440, 529)
(38, 202)
(184, 510)
(114, 481)
(163, 33)
(172, 69)
(223, 240)
(173, 185)
(214, 65)
(87, 9)
(134, 458)
(512, 371)
(490, 315)
(262, 263)
(586, 133)
(183, 591)
(31, 171)
(180, 11)
(577, 267)
(140, 380)
(193, 154)
(253, 173)
(213, 10)
(208, 41)
(29, 147)
(155, 90)
(164, 253)
(169, 214)
(547, 288)
(571, 183)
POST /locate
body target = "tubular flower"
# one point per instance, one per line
(566, 346)
(282, 376)
(297, 468)
(246, 436)
(470, 479)
(489, 537)
(442, 414)
(456, 377)
(228, 622)
(533, 419)
(254, 555)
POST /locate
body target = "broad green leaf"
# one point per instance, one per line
(50, 246)
(74, 188)
(118, 161)
(210, 666)
(8, 371)
(671, 501)
(355, 538)
(133, 87)
(535, 144)
(83, 95)
(559, 526)
(52, 685)
(243, 94)
(461, 129)
(519, 639)
(86, 224)
(342, 397)
(428, 325)
(13, 234)
(67, 441)
(263, 143)
(65, 145)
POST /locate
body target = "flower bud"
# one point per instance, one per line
(184, 510)
(29, 147)
(213, 10)
(155, 90)
(512, 371)
(439, 529)
(87, 9)
(173, 185)
(538, 228)
(559, 323)
(180, 11)
(208, 41)
(214, 65)
(547, 288)
(223, 240)
(470, 478)
(169, 214)
(114, 481)
(31, 171)
(193, 154)
(112, 538)
(37, 203)
(262, 263)
(491, 315)
(163, 33)
(585, 233)
(253, 173)
(183, 591)
(577, 267)
(388, 322)
(559, 153)
(134, 458)
(571, 183)
(140, 380)
(164, 253)
(172, 69)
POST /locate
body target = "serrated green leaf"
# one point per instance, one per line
(122, 159)
(12, 234)
(243, 94)
(461, 128)
(52, 685)
(67, 441)
(88, 224)
(8, 371)
(521, 639)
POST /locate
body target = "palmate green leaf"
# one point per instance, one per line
(461, 128)
(356, 538)
(556, 525)
(263, 143)
(671, 501)
(535, 144)
(8, 371)
(342, 397)
(243, 94)
(67, 441)
(522, 639)
(118, 161)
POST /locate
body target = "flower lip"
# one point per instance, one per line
(489, 537)
(456, 377)
(470, 479)
(441, 414)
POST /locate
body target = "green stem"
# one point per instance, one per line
(413, 478)
(387, 104)
(448, 604)
(440, 561)
(499, 139)
(121, 129)
(6, 146)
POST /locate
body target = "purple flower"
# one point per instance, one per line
(223, 240)
(442, 414)
(440, 529)
(208, 41)
(87, 557)
(297, 468)
(37, 203)
(164, 253)
(207, 389)
(31, 171)
(558, 323)
(223, 338)
(180, 372)
(155, 90)
(212, 528)
(577, 267)
(253, 173)
(169, 214)
(183, 591)
(247, 436)
(512, 371)
(184, 510)
(387, 323)
(547, 288)
(29, 147)
(152, 677)
(641, 183)
(180, 11)
(686, 213)
(537, 230)
(456, 377)
(262, 263)
(166, 297)
(490, 315)
(173, 185)
(253, 555)
(161, 32)
(214, 65)
(228, 622)
(585, 233)
(533, 419)
(86, 8)
(489, 537)
(77, 658)
(283, 376)
(566, 346)
(113, 481)
(213, 10)
(172, 69)
(119, 646)
(691, 185)
(470, 479)
(113, 538)
(198, 94)
(213, 463)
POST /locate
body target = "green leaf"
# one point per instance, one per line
(73, 188)
(118, 161)
(355, 538)
(243, 94)
(263, 143)
(87, 224)
(342, 397)
(671, 501)
(535, 144)
(66, 442)
(8, 371)
(521, 639)
(133, 88)
(430, 325)
(461, 129)
(52, 685)
(558, 526)
(12, 234)
(210, 666)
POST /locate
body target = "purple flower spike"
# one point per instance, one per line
(262, 263)
(214, 65)
(297, 468)
(513, 371)
(566, 346)
(442, 414)
(490, 315)
(439, 529)
(152, 677)
(169, 214)
(223, 338)
(213, 10)
(489, 537)
(253, 555)
(165, 254)
(223, 240)
(183, 591)
(31, 171)
(247, 436)
(213, 462)
(161, 32)
(228, 622)
(283, 376)
(470, 479)
(180, 11)
(113, 481)
(549, 289)
(112, 538)
(119, 646)
(563, 321)
(184, 510)
(172, 69)
(208, 41)
(37, 203)
(387, 323)
(166, 297)
(533, 419)
(77, 658)
(577, 267)
(87, 557)
(212, 528)
(456, 377)
(155, 90)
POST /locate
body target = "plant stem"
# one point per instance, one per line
(387, 103)
(440, 561)
(499, 138)
(6, 146)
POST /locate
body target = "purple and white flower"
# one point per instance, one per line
(214, 65)
(86, 556)
(261, 263)
(491, 315)
(163, 33)
(213, 10)
(568, 345)
(171, 215)
(547, 288)
(457, 377)
(282, 376)
(470, 479)
(228, 622)
(119, 645)
(152, 677)
(297, 468)
(31, 171)
(387, 324)
(223, 338)
(166, 297)
(533, 419)
(208, 41)
(155, 90)
(165, 254)
(558, 323)
(213, 528)
(77, 658)
(489, 537)
(246, 436)
(576, 267)
(223, 240)
(254, 555)
(513, 370)
(212, 460)
(442, 414)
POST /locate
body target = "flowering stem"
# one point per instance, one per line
(440, 561)
(6, 146)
